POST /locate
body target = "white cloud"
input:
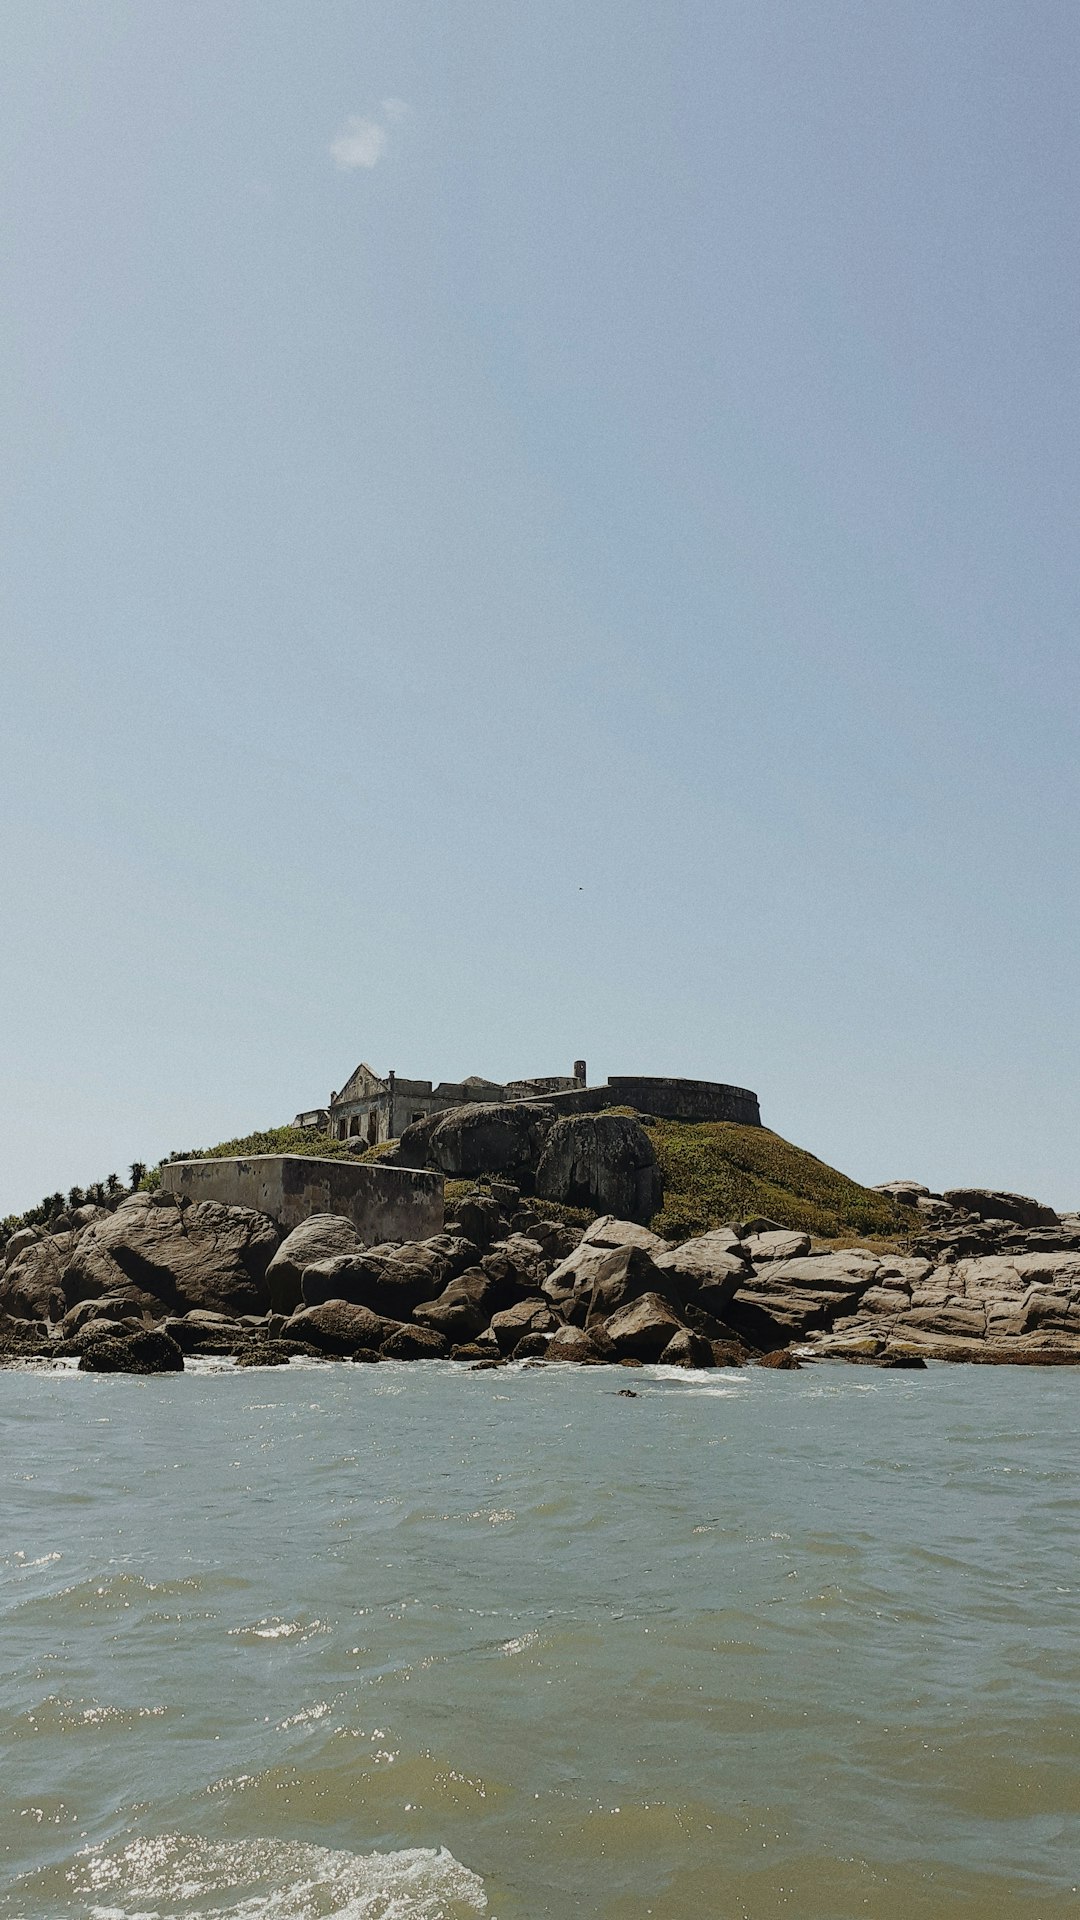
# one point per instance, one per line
(361, 143)
(362, 140)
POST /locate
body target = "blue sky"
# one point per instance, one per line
(533, 531)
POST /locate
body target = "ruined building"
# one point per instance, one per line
(372, 1107)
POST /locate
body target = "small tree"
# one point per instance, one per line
(112, 1185)
(138, 1174)
(76, 1197)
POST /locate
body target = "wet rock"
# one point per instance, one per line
(534, 1346)
(32, 1282)
(782, 1360)
(143, 1350)
(592, 1349)
(465, 1307)
(603, 1161)
(686, 1349)
(415, 1343)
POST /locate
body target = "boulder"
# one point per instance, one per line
(124, 1350)
(583, 1349)
(710, 1267)
(644, 1328)
(610, 1232)
(23, 1340)
(907, 1192)
(780, 1245)
(323, 1236)
(415, 1343)
(479, 1218)
(465, 1307)
(117, 1306)
(524, 1255)
(781, 1360)
(513, 1324)
(21, 1239)
(789, 1298)
(204, 1332)
(337, 1326)
(990, 1205)
(533, 1347)
(31, 1285)
(500, 1137)
(687, 1349)
(176, 1256)
(628, 1274)
(603, 1161)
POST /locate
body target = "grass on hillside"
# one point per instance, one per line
(716, 1172)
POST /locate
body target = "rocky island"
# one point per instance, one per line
(563, 1236)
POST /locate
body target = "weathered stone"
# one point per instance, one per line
(990, 1205)
(465, 1307)
(325, 1236)
(781, 1360)
(643, 1328)
(533, 1346)
(415, 1343)
(583, 1349)
(607, 1231)
(628, 1275)
(503, 1137)
(780, 1245)
(144, 1350)
(907, 1192)
(382, 1203)
(602, 1161)
(31, 1285)
(108, 1307)
(528, 1316)
(176, 1256)
(479, 1218)
(339, 1327)
(687, 1349)
(710, 1267)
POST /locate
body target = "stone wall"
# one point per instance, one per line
(383, 1203)
(669, 1099)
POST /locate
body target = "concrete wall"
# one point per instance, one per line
(383, 1203)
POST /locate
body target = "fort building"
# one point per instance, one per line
(373, 1107)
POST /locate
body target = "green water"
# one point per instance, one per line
(415, 1643)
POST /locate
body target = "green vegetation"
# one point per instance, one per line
(716, 1172)
(299, 1140)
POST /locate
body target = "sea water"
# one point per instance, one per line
(410, 1642)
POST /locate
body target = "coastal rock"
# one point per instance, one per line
(23, 1340)
(324, 1236)
(479, 1218)
(643, 1329)
(788, 1298)
(123, 1350)
(710, 1267)
(607, 1231)
(465, 1307)
(991, 1205)
(31, 1285)
(524, 1256)
(603, 1161)
(119, 1306)
(780, 1245)
(687, 1349)
(176, 1257)
(525, 1317)
(337, 1326)
(629, 1274)
(582, 1349)
(415, 1343)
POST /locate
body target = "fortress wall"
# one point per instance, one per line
(383, 1203)
(670, 1099)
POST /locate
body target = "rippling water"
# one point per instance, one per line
(415, 1643)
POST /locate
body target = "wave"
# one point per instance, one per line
(171, 1875)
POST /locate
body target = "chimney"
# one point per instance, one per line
(579, 1072)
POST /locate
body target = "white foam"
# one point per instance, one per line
(182, 1874)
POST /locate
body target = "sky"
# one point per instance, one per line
(530, 532)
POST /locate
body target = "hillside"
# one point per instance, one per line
(714, 1172)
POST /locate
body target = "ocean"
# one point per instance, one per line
(408, 1642)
